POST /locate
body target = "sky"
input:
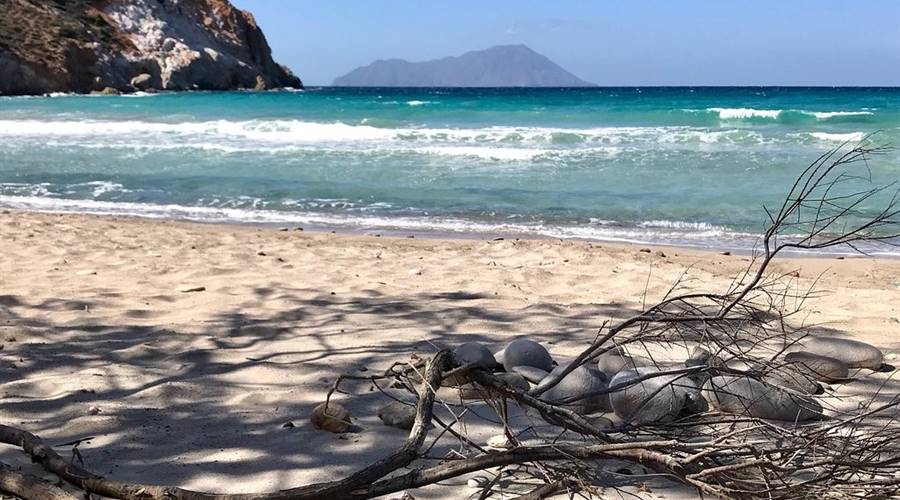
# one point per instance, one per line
(633, 43)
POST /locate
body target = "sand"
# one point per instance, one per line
(181, 349)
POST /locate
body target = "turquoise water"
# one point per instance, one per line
(691, 166)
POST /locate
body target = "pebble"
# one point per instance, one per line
(94, 410)
(477, 482)
(500, 442)
(332, 418)
(397, 414)
(191, 289)
(644, 250)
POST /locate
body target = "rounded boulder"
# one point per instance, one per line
(819, 367)
(615, 360)
(854, 353)
(747, 396)
(475, 352)
(524, 352)
(579, 383)
(655, 399)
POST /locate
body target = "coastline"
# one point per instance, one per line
(356, 229)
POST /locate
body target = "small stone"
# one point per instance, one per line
(661, 254)
(397, 414)
(331, 417)
(261, 254)
(288, 425)
(298, 229)
(282, 229)
(477, 482)
(499, 442)
(726, 253)
(415, 272)
(840, 257)
(94, 410)
(192, 289)
(644, 250)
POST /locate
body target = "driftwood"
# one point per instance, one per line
(28, 486)
(847, 455)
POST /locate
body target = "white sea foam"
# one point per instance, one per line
(824, 115)
(848, 137)
(690, 234)
(276, 136)
(744, 113)
(266, 132)
(491, 153)
(417, 103)
(431, 224)
(775, 114)
(99, 188)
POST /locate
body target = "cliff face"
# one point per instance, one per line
(88, 45)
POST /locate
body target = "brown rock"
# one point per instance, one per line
(331, 417)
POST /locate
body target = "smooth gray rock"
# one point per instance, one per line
(399, 415)
(470, 352)
(818, 367)
(579, 382)
(531, 374)
(853, 352)
(474, 391)
(515, 381)
(657, 399)
(787, 377)
(616, 360)
(475, 352)
(524, 352)
(700, 356)
(747, 396)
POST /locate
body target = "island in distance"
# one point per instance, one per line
(500, 66)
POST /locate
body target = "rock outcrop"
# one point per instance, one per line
(90, 45)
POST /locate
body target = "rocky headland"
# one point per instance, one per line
(113, 46)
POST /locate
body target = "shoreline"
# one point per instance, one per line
(442, 235)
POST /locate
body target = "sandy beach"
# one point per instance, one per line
(178, 351)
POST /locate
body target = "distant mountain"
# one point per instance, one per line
(500, 66)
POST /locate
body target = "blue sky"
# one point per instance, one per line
(714, 42)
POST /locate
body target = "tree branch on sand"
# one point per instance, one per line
(740, 422)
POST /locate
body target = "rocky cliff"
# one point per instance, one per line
(124, 45)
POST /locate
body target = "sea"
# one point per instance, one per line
(683, 166)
